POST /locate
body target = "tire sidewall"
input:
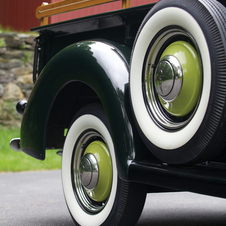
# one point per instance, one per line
(165, 144)
(81, 124)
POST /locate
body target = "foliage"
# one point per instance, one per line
(2, 42)
(9, 30)
(11, 161)
(5, 29)
(27, 57)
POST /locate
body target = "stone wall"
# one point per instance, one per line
(16, 66)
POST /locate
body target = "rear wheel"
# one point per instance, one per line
(177, 80)
(94, 193)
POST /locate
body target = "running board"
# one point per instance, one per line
(208, 179)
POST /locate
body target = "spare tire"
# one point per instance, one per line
(178, 80)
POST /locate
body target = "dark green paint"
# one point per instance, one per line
(101, 66)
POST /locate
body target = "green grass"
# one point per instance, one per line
(11, 161)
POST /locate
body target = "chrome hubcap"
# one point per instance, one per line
(92, 177)
(89, 171)
(172, 81)
(168, 78)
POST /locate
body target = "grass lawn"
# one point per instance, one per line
(11, 161)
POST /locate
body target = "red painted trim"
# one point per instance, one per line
(20, 14)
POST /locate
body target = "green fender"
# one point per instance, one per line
(101, 66)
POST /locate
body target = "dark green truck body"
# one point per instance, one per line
(87, 60)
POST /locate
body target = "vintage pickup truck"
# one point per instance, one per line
(135, 102)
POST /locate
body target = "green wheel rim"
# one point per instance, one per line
(172, 78)
(93, 173)
(103, 187)
(190, 91)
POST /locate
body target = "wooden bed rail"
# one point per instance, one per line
(46, 10)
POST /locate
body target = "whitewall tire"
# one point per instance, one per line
(87, 205)
(171, 127)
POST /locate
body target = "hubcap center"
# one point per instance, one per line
(89, 171)
(168, 78)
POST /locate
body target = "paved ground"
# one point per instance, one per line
(36, 199)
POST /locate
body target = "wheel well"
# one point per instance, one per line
(68, 101)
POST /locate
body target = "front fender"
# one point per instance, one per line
(104, 68)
